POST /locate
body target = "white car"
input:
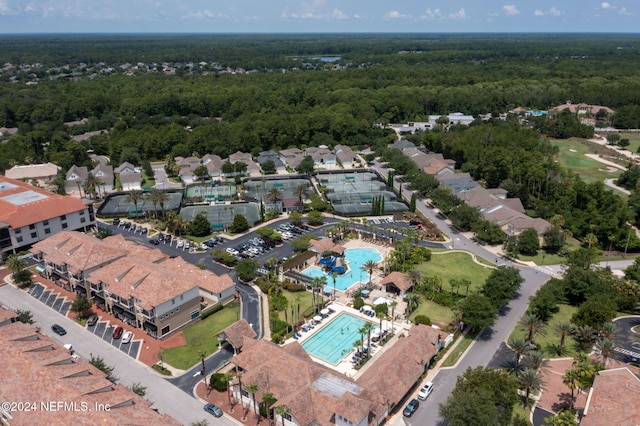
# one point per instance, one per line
(179, 244)
(127, 336)
(187, 244)
(425, 391)
(232, 251)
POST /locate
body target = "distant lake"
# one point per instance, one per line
(327, 58)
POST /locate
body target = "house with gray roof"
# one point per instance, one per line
(76, 179)
(345, 155)
(291, 157)
(457, 182)
(322, 156)
(104, 175)
(265, 156)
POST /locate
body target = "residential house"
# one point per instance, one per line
(454, 118)
(316, 395)
(583, 109)
(187, 166)
(412, 127)
(403, 144)
(457, 182)
(253, 168)
(38, 369)
(486, 199)
(76, 180)
(104, 177)
(214, 165)
(514, 222)
(130, 181)
(291, 157)
(265, 156)
(322, 156)
(29, 214)
(431, 164)
(42, 173)
(345, 155)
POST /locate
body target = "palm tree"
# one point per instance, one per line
(162, 198)
(412, 301)
(318, 282)
(334, 276)
(90, 185)
(532, 324)
(605, 346)
(536, 360)
(282, 410)
(584, 336)
(275, 194)
(369, 266)
(368, 328)
(608, 331)
(300, 191)
(519, 346)
(415, 276)
(153, 197)
(393, 309)
(358, 343)
(570, 379)
(134, 197)
(381, 315)
(362, 330)
(529, 381)
(563, 329)
(252, 388)
(15, 263)
(590, 239)
(267, 401)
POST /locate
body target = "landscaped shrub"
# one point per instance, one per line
(162, 370)
(219, 381)
(381, 308)
(358, 302)
(422, 319)
(445, 298)
(265, 285)
(278, 326)
(277, 338)
(211, 311)
(293, 287)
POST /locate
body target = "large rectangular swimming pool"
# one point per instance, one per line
(336, 339)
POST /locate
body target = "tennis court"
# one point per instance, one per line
(208, 192)
(120, 204)
(351, 193)
(220, 216)
(256, 189)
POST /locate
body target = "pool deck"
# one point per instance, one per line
(345, 366)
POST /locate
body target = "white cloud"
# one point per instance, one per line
(394, 14)
(510, 9)
(553, 12)
(4, 7)
(605, 5)
(432, 14)
(338, 14)
(205, 14)
(460, 14)
(624, 11)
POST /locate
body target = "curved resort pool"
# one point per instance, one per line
(336, 339)
(355, 258)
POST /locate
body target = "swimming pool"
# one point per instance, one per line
(355, 258)
(336, 339)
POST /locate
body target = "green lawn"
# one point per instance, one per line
(543, 258)
(436, 313)
(200, 338)
(456, 266)
(461, 346)
(572, 156)
(303, 298)
(519, 410)
(634, 140)
(548, 336)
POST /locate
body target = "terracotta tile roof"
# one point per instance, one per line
(149, 254)
(204, 278)
(613, 399)
(236, 333)
(80, 252)
(37, 368)
(399, 279)
(150, 283)
(6, 314)
(402, 366)
(324, 244)
(53, 205)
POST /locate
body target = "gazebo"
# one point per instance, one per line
(397, 283)
(235, 334)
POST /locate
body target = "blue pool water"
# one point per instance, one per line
(355, 258)
(336, 339)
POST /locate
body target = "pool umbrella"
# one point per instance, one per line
(317, 318)
(327, 290)
(324, 311)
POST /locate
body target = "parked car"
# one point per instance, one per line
(213, 409)
(414, 222)
(411, 408)
(117, 333)
(180, 244)
(116, 221)
(58, 329)
(425, 391)
(127, 336)
(187, 244)
(154, 241)
(93, 319)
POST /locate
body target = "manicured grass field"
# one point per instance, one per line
(436, 313)
(455, 266)
(549, 336)
(634, 140)
(200, 338)
(303, 298)
(572, 156)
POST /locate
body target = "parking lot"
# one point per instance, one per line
(104, 330)
(52, 299)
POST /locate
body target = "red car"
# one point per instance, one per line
(117, 332)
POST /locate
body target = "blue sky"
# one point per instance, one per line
(286, 16)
